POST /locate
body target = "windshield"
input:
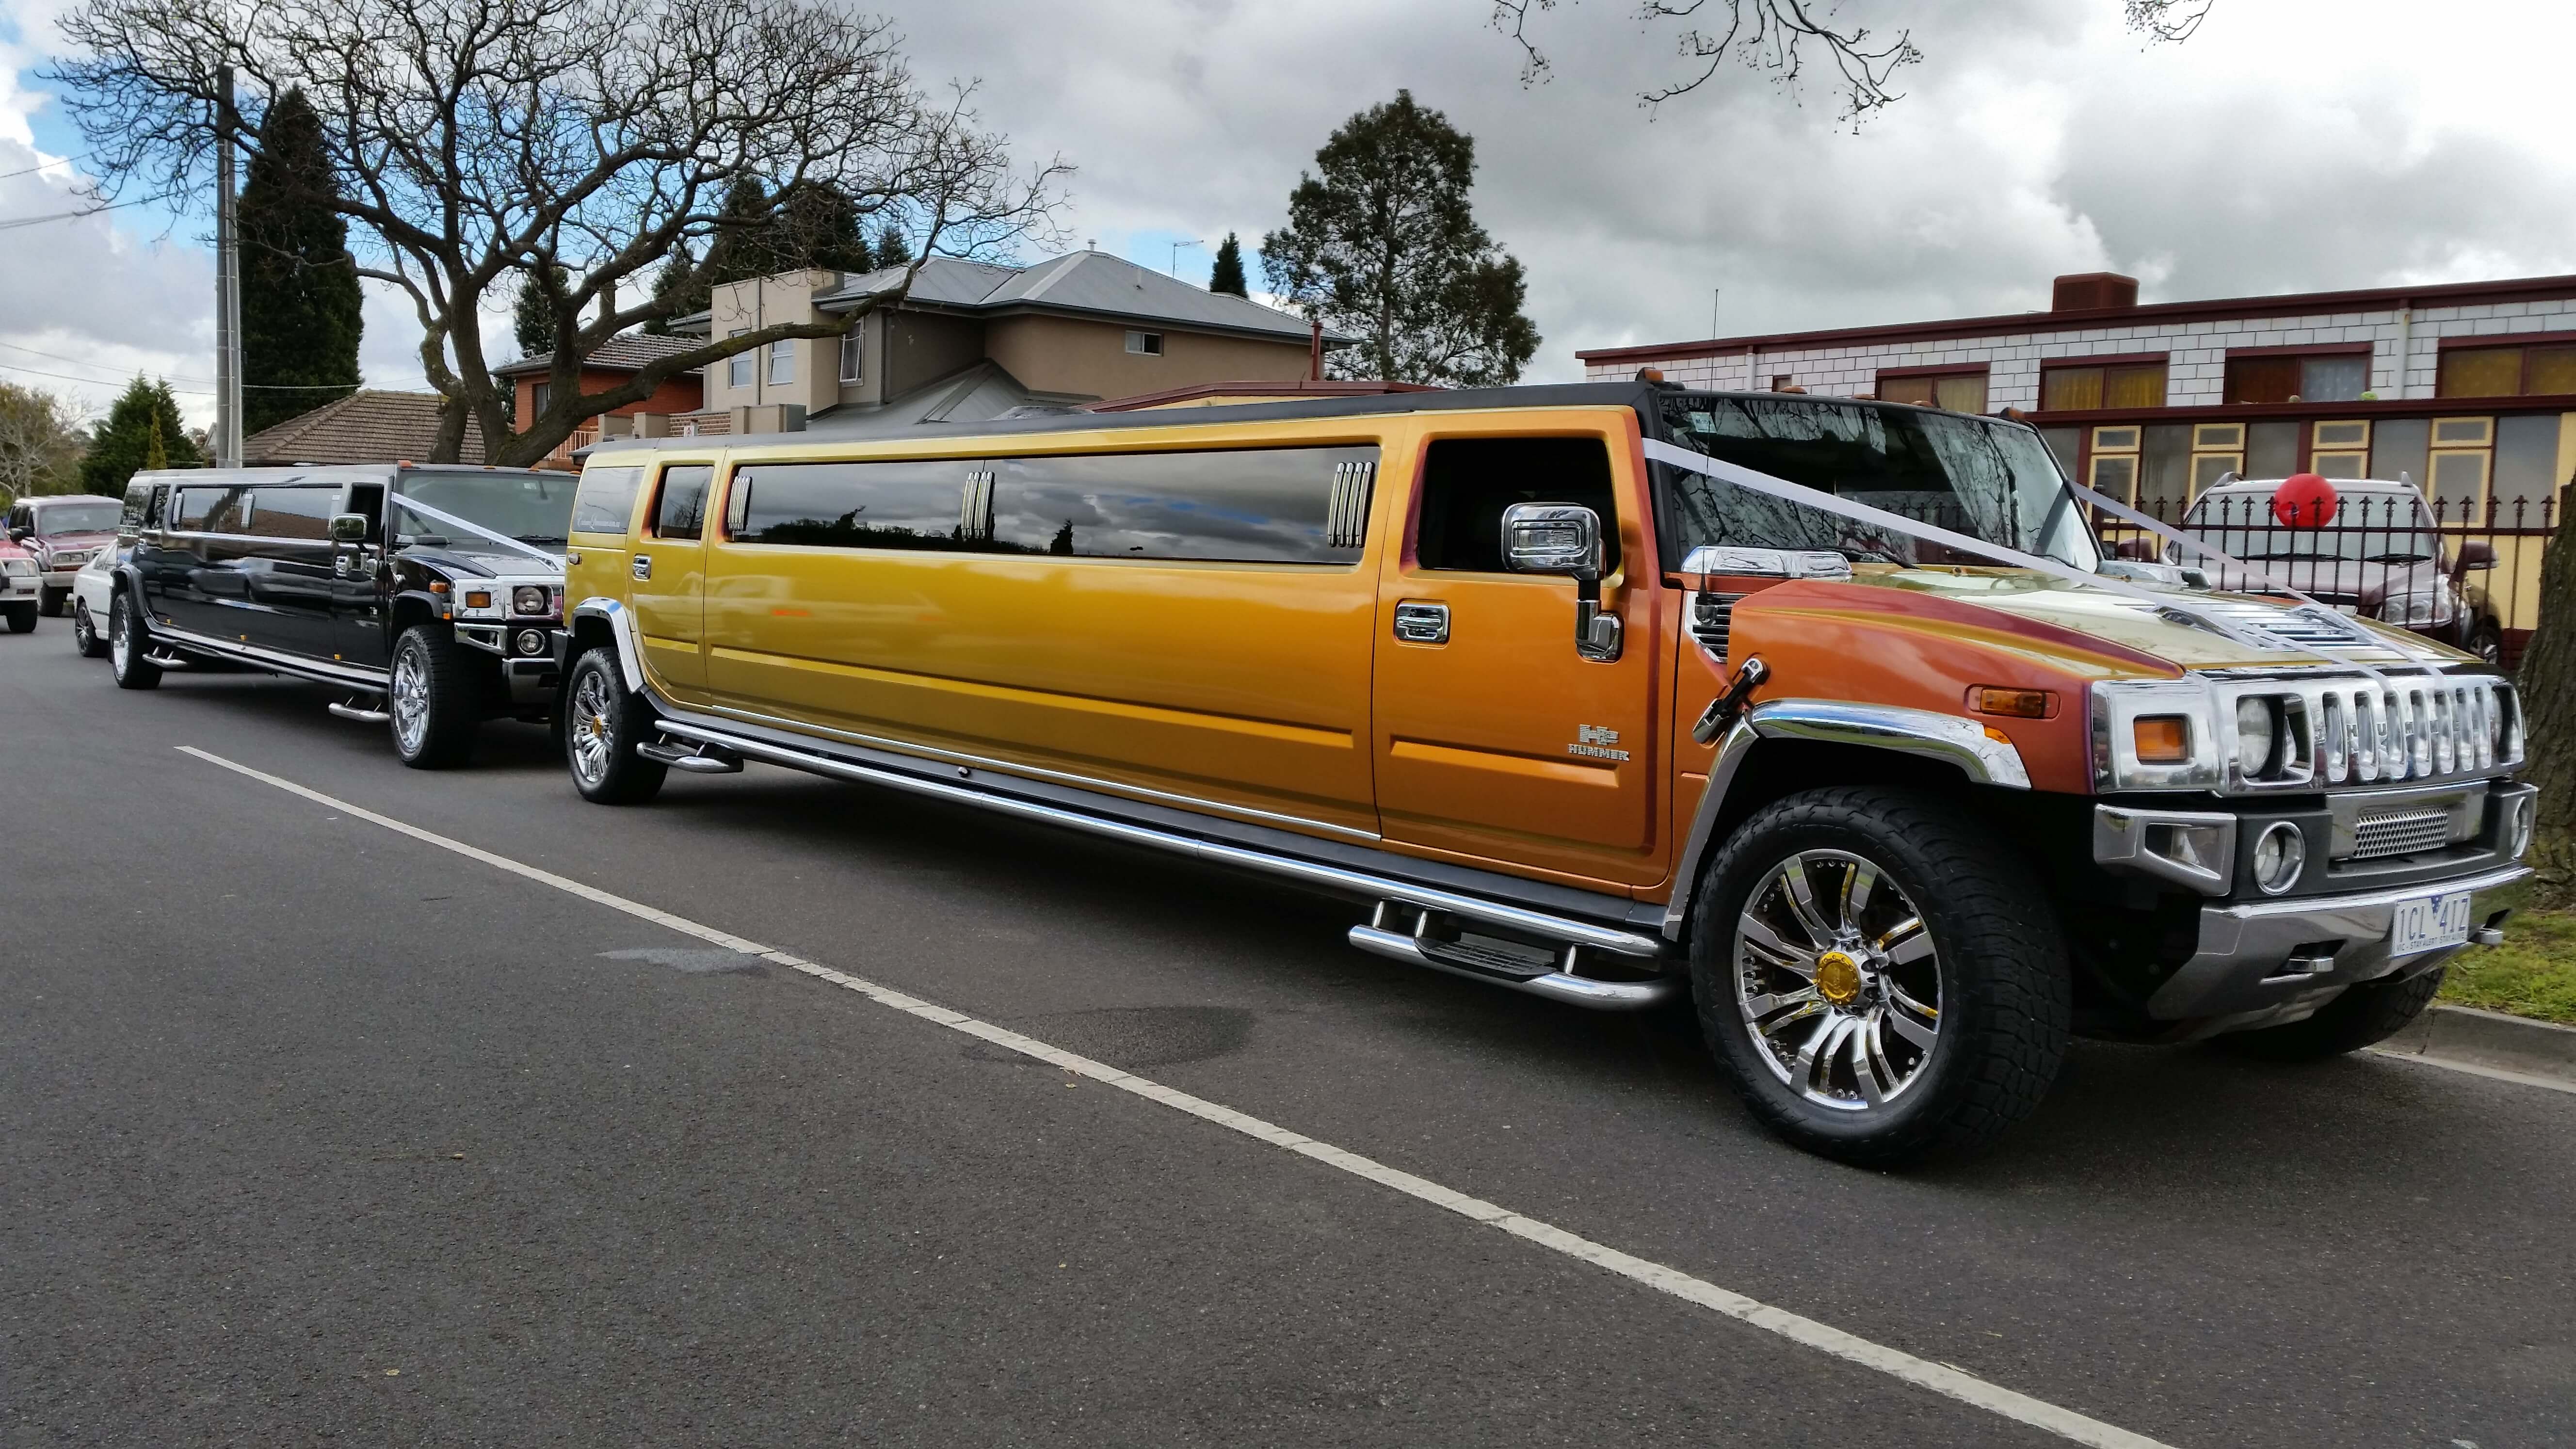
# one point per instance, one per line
(1989, 480)
(76, 518)
(2383, 529)
(532, 508)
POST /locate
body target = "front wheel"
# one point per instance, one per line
(1881, 983)
(125, 648)
(2488, 644)
(433, 698)
(53, 599)
(85, 633)
(22, 618)
(603, 722)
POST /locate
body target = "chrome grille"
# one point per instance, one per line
(2398, 730)
(2401, 834)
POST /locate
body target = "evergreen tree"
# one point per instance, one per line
(535, 314)
(1383, 244)
(143, 425)
(1228, 275)
(892, 249)
(678, 277)
(300, 303)
(818, 226)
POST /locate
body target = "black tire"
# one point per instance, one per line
(603, 722)
(126, 642)
(85, 635)
(435, 697)
(22, 618)
(1997, 960)
(52, 601)
(2488, 644)
(2366, 1013)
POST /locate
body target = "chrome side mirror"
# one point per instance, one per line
(348, 528)
(1562, 538)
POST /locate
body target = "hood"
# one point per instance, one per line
(2364, 585)
(2138, 628)
(11, 550)
(45, 544)
(468, 557)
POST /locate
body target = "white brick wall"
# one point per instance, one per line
(2197, 352)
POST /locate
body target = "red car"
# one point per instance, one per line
(60, 533)
(21, 588)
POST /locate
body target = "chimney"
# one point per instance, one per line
(2092, 292)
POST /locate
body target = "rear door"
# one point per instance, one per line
(286, 569)
(666, 586)
(1495, 739)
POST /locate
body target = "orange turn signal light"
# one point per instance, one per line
(478, 600)
(438, 586)
(2162, 739)
(2018, 703)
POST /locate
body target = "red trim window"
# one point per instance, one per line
(2517, 371)
(1962, 391)
(2272, 377)
(2101, 383)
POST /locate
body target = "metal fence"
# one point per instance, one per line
(2463, 572)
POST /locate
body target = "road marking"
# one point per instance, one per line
(1923, 1373)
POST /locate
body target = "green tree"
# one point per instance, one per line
(144, 419)
(1383, 244)
(538, 314)
(892, 249)
(818, 226)
(40, 442)
(1228, 273)
(301, 307)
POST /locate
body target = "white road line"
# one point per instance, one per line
(1924, 1373)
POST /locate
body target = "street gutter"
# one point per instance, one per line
(2490, 1043)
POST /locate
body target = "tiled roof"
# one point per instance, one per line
(625, 352)
(1083, 283)
(364, 427)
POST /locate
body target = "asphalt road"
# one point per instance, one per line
(312, 1131)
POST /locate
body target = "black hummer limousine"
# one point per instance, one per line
(433, 595)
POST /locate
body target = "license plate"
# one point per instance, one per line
(2428, 923)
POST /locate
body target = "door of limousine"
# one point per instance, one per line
(1495, 738)
(666, 584)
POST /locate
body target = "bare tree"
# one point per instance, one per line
(40, 447)
(1776, 36)
(570, 144)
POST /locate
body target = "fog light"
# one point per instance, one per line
(529, 599)
(2280, 853)
(2523, 815)
(532, 641)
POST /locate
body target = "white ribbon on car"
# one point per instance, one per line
(1781, 488)
(478, 530)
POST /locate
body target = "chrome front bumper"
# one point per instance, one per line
(2244, 964)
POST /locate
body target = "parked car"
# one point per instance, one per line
(430, 595)
(21, 588)
(2377, 555)
(93, 593)
(1548, 680)
(60, 533)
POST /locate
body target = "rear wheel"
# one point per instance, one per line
(1880, 982)
(22, 618)
(2488, 644)
(53, 599)
(2370, 1012)
(85, 636)
(603, 723)
(125, 646)
(434, 698)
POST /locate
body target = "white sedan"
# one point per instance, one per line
(93, 589)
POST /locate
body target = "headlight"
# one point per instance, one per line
(2155, 735)
(18, 565)
(530, 599)
(2256, 734)
(2424, 608)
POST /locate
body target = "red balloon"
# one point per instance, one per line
(2305, 500)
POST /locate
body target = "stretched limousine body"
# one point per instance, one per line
(1611, 693)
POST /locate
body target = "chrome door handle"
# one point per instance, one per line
(643, 566)
(1422, 623)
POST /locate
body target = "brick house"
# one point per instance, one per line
(616, 361)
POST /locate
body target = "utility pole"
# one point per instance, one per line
(1176, 254)
(228, 338)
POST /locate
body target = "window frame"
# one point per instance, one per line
(652, 520)
(2297, 357)
(854, 363)
(782, 357)
(1933, 377)
(738, 368)
(1144, 343)
(2107, 364)
(2525, 344)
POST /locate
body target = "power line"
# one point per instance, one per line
(91, 381)
(46, 166)
(15, 222)
(182, 377)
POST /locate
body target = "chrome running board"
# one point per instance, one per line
(362, 716)
(1561, 986)
(705, 760)
(1336, 880)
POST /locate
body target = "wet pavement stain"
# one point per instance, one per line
(696, 961)
(1132, 1038)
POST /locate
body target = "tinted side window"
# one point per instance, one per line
(1468, 482)
(297, 513)
(1269, 505)
(606, 499)
(853, 505)
(215, 510)
(138, 504)
(681, 509)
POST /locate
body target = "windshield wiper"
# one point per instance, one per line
(2390, 558)
(539, 537)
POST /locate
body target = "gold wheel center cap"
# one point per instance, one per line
(1838, 978)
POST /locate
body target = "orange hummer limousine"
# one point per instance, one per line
(1833, 717)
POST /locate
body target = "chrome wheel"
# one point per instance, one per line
(410, 700)
(120, 638)
(1837, 981)
(84, 629)
(594, 739)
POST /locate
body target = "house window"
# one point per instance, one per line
(2124, 385)
(850, 361)
(2334, 377)
(738, 366)
(1959, 392)
(1779, 382)
(2340, 449)
(1145, 344)
(2217, 454)
(2506, 371)
(782, 362)
(537, 394)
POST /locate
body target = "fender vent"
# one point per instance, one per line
(1711, 616)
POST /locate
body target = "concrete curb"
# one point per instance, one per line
(2489, 1039)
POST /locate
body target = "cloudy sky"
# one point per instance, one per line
(2291, 145)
